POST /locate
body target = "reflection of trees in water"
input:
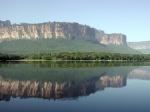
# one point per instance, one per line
(55, 90)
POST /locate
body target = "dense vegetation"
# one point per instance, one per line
(145, 51)
(79, 56)
(25, 47)
(61, 49)
(4, 57)
(89, 56)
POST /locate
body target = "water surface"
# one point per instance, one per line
(74, 87)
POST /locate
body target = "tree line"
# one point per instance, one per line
(78, 56)
(4, 57)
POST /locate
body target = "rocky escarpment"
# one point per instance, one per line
(115, 39)
(63, 30)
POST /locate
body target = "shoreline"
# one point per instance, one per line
(41, 60)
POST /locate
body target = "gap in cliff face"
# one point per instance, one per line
(57, 30)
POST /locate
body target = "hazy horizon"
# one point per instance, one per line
(129, 17)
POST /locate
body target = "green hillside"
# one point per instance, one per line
(144, 51)
(58, 45)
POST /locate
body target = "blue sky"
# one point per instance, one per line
(131, 17)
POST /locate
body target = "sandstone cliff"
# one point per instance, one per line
(114, 39)
(56, 30)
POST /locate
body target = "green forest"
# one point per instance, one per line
(78, 56)
(25, 47)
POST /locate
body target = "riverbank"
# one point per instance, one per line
(76, 56)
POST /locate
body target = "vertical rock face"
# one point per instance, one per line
(114, 39)
(58, 30)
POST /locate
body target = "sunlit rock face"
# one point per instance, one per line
(55, 90)
(47, 30)
(114, 39)
(56, 30)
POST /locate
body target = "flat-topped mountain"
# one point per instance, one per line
(49, 37)
(143, 47)
(57, 30)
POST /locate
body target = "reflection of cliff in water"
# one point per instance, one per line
(140, 73)
(55, 90)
